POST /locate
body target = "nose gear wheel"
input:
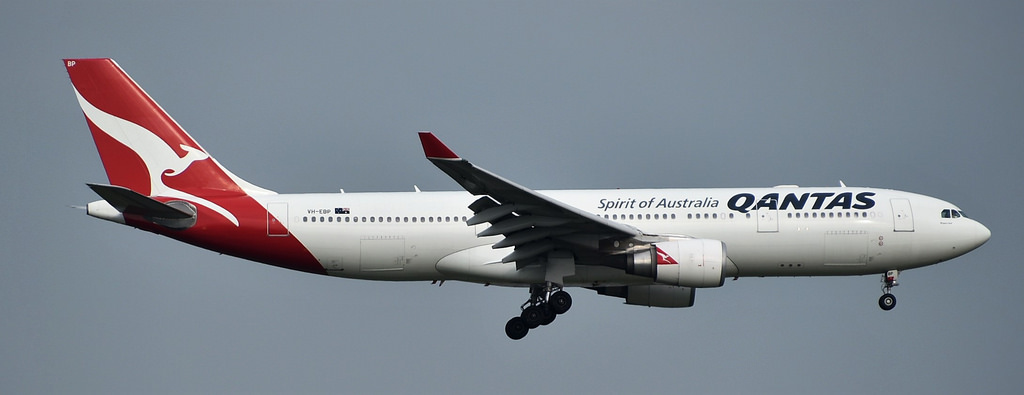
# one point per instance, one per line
(888, 300)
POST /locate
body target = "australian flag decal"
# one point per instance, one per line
(341, 210)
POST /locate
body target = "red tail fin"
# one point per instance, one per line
(166, 183)
(143, 148)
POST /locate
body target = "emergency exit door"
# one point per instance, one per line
(902, 215)
(277, 219)
(767, 220)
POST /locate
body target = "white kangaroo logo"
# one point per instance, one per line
(192, 155)
(160, 158)
(665, 257)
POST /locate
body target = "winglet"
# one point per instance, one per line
(434, 148)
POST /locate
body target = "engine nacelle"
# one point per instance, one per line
(684, 262)
(657, 295)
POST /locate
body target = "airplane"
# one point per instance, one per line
(648, 247)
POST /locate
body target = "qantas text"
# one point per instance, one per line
(744, 202)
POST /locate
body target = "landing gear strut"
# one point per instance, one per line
(546, 302)
(888, 301)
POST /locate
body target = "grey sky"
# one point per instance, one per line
(926, 97)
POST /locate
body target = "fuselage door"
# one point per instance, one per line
(902, 215)
(277, 219)
(767, 220)
(381, 253)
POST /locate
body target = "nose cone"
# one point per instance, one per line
(977, 236)
(982, 235)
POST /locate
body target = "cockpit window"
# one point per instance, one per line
(951, 213)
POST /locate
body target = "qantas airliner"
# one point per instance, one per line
(649, 247)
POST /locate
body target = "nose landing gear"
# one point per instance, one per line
(888, 301)
(546, 302)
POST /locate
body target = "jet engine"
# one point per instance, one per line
(696, 263)
(656, 295)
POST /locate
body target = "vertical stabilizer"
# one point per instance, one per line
(143, 148)
(164, 182)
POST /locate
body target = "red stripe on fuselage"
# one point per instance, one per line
(248, 240)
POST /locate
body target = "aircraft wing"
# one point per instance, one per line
(530, 221)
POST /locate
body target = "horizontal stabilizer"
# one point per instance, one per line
(130, 202)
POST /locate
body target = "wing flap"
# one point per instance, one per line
(528, 235)
(494, 213)
(529, 250)
(522, 222)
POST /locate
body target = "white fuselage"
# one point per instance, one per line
(782, 231)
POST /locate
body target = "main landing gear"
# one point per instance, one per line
(888, 301)
(546, 302)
